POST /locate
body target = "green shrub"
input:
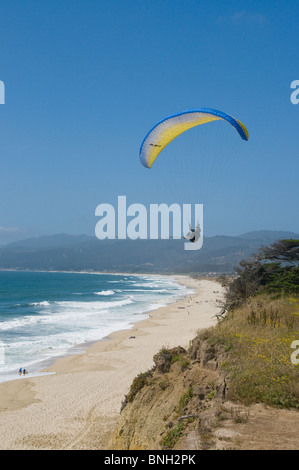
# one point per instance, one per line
(138, 383)
(172, 436)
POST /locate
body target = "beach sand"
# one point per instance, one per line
(78, 405)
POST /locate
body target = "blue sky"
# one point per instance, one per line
(86, 80)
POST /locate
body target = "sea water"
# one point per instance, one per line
(45, 315)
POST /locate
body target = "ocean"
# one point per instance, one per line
(46, 315)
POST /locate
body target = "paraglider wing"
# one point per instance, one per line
(172, 126)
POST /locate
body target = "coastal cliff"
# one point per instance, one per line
(225, 392)
(164, 405)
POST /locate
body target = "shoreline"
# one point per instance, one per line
(77, 403)
(39, 368)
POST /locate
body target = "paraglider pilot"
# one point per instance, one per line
(193, 234)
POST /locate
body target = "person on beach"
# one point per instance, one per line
(20, 371)
(25, 372)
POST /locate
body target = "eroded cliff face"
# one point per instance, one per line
(183, 404)
(164, 408)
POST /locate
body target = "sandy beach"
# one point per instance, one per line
(77, 406)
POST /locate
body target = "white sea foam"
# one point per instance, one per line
(105, 292)
(44, 303)
(51, 328)
(96, 305)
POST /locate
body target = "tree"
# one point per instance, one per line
(271, 269)
(282, 251)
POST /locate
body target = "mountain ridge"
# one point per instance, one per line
(63, 252)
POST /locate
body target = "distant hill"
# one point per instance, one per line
(48, 241)
(219, 254)
(268, 235)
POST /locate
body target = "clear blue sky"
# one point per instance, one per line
(86, 79)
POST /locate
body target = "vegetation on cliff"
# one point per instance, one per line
(272, 270)
(260, 325)
(245, 359)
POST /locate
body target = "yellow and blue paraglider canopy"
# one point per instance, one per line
(172, 126)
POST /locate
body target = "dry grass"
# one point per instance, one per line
(258, 337)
